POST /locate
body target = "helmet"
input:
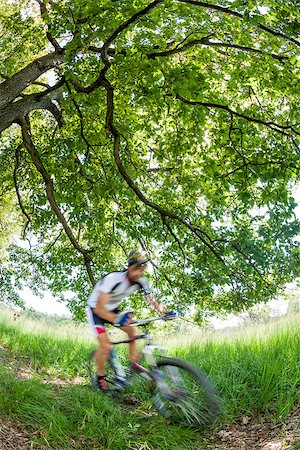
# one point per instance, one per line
(138, 257)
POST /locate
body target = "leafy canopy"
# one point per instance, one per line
(172, 125)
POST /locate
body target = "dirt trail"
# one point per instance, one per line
(14, 437)
(259, 434)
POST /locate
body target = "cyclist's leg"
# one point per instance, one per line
(104, 345)
(102, 352)
(133, 352)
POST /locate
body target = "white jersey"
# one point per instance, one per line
(118, 286)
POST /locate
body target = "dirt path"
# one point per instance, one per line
(259, 434)
(11, 437)
(14, 437)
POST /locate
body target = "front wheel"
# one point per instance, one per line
(183, 394)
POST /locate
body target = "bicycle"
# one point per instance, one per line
(179, 390)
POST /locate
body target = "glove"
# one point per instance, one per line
(122, 318)
(171, 315)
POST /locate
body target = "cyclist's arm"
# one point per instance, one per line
(100, 310)
(158, 306)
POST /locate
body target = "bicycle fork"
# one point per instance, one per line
(156, 374)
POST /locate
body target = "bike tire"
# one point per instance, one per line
(194, 401)
(113, 386)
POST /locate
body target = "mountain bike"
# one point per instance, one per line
(178, 389)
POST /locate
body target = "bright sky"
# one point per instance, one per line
(46, 304)
(279, 307)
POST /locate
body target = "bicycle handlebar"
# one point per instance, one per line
(140, 323)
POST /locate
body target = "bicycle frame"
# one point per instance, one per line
(147, 351)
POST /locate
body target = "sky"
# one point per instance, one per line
(278, 307)
(46, 304)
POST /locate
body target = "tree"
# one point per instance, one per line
(171, 124)
(10, 227)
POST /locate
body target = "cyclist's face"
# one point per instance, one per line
(135, 272)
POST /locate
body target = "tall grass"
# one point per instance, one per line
(60, 350)
(256, 370)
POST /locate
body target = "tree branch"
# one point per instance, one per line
(130, 21)
(203, 236)
(12, 87)
(110, 51)
(176, 239)
(88, 145)
(246, 164)
(110, 128)
(17, 154)
(273, 125)
(11, 112)
(104, 50)
(213, 7)
(88, 89)
(50, 38)
(207, 42)
(240, 16)
(36, 160)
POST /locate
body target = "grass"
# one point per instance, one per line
(256, 368)
(56, 349)
(74, 416)
(256, 371)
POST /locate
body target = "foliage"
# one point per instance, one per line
(172, 125)
(10, 227)
(8, 224)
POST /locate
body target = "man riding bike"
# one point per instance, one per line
(103, 308)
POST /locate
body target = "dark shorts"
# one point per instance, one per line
(98, 323)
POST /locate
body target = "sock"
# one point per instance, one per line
(101, 377)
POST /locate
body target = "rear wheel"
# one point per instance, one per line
(112, 381)
(183, 394)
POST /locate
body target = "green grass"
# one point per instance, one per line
(59, 350)
(76, 417)
(256, 370)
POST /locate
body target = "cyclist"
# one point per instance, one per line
(103, 308)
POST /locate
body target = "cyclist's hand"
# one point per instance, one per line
(123, 318)
(171, 315)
